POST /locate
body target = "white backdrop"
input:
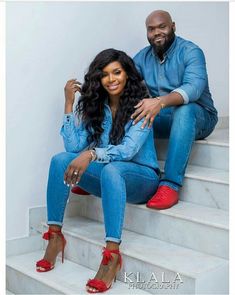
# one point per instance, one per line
(51, 42)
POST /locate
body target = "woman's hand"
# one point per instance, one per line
(76, 168)
(71, 87)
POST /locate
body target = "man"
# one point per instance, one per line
(181, 107)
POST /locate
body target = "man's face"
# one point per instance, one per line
(160, 33)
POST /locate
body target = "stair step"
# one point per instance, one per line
(66, 278)
(148, 255)
(211, 152)
(179, 224)
(220, 136)
(205, 186)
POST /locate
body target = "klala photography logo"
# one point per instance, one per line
(153, 281)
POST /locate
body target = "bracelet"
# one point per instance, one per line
(162, 104)
(93, 155)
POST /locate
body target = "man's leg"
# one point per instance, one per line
(189, 122)
(183, 124)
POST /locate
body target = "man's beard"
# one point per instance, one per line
(161, 49)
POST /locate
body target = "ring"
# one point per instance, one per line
(75, 172)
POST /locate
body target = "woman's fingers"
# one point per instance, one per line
(75, 178)
(77, 88)
(71, 176)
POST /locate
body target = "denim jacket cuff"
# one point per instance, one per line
(183, 94)
(102, 156)
(68, 118)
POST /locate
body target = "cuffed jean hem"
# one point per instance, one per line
(172, 185)
(55, 223)
(109, 239)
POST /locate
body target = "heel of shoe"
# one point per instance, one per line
(64, 243)
(98, 284)
(44, 265)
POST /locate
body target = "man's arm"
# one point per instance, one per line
(193, 84)
(150, 107)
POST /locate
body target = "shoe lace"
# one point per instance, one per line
(107, 256)
(47, 235)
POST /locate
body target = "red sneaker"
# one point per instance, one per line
(164, 198)
(79, 191)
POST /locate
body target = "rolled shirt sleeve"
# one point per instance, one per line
(195, 75)
(133, 140)
(74, 134)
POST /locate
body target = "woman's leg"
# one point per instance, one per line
(121, 182)
(57, 196)
(58, 192)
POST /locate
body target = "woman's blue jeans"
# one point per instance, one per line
(116, 183)
(182, 125)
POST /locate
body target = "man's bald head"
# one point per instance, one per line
(159, 14)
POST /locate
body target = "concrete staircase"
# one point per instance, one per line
(182, 250)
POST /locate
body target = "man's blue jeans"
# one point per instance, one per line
(182, 125)
(116, 183)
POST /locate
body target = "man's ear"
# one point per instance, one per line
(173, 26)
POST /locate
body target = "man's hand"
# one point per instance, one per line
(76, 168)
(148, 108)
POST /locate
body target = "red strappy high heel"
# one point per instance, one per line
(43, 263)
(99, 285)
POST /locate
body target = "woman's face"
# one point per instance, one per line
(114, 78)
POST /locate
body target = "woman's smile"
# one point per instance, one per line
(113, 86)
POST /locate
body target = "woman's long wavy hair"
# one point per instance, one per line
(90, 107)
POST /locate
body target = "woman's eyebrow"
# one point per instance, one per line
(112, 70)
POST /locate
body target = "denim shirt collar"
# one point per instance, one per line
(169, 52)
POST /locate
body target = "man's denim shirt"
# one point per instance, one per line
(137, 145)
(183, 70)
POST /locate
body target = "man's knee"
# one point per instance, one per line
(186, 113)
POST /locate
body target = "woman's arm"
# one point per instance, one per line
(133, 140)
(74, 136)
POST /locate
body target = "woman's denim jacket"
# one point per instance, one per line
(136, 146)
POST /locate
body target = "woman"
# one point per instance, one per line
(105, 154)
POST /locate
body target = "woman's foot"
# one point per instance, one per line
(55, 245)
(110, 265)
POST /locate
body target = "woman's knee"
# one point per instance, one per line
(109, 169)
(110, 173)
(61, 159)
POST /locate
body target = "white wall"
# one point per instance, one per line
(50, 42)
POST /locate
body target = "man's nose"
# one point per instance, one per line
(156, 32)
